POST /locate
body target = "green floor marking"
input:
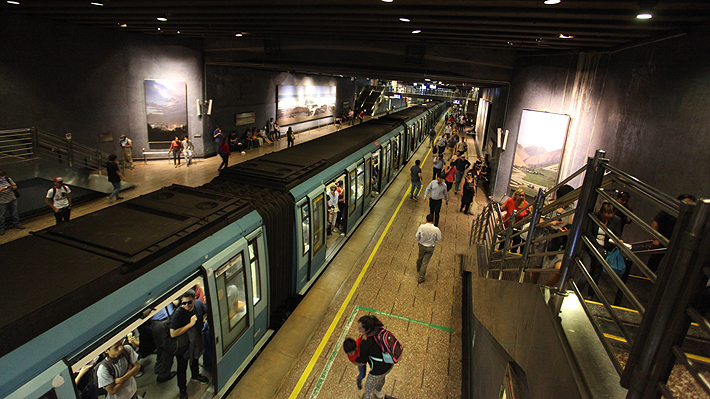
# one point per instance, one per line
(341, 338)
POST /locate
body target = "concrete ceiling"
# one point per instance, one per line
(526, 26)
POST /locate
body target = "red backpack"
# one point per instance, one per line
(390, 346)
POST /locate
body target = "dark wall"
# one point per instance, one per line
(68, 78)
(239, 90)
(646, 106)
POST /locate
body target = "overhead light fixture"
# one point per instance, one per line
(95, 3)
(238, 35)
(563, 36)
(553, 1)
(427, 79)
(178, 32)
(162, 19)
(416, 31)
(387, 1)
(123, 25)
(404, 19)
(644, 15)
(13, 2)
(510, 43)
(646, 9)
(158, 28)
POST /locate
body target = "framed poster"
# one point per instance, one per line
(538, 153)
(246, 118)
(303, 103)
(166, 111)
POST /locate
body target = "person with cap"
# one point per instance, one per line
(126, 150)
(59, 199)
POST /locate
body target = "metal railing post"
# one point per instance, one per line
(531, 233)
(70, 152)
(587, 199)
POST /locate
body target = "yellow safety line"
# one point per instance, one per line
(689, 355)
(312, 363)
(627, 309)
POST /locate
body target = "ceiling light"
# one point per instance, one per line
(162, 19)
(387, 1)
(416, 31)
(178, 32)
(510, 43)
(427, 79)
(94, 3)
(552, 1)
(404, 19)
(13, 2)
(238, 35)
(123, 25)
(158, 28)
(644, 15)
(563, 36)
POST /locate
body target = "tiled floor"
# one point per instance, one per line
(426, 318)
(148, 177)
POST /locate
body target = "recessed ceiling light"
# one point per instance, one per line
(644, 16)
(178, 32)
(95, 3)
(552, 1)
(123, 25)
(510, 43)
(13, 2)
(163, 19)
(427, 79)
(404, 19)
(158, 28)
(416, 31)
(239, 35)
(563, 36)
(387, 1)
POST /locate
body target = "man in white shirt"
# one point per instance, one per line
(117, 372)
(59, 199)
(427, 236)
(438, 191)
(332, 206)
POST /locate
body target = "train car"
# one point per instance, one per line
(253, 239)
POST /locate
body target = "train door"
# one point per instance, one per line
(319, 217)
(356, 176)
(237, 292)
(387, 162)
(303, 242)
(376, 171)
(412, 140)
(366, 199)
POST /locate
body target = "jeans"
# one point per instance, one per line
(10, 207)
(431, 141)
(176, 157)
(416, 189)
(435, 209)
(459, 177)
(225, 161)
(116, 189)
(182, 371)
(363, 371)
(63, 215)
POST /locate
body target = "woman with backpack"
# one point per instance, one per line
(371, 353)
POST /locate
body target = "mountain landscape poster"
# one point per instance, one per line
(538, 153)
(166, 111)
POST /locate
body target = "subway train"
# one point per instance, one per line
(255, 237)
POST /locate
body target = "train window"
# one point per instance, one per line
(306, 227)
(353, 190)
(255, 271)
(360, 180)
(232, 299)
(368, 186)
(318, 210)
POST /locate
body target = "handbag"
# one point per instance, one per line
(616, 261)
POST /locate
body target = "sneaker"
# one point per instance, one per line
(359, 383)
(201, 379)
(183, 395)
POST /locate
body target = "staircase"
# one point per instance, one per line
(642, 334)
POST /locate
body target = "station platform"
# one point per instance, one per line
(375, 273)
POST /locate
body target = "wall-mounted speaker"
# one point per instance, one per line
(209, 108)
(199, 107)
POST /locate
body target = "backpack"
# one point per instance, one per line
(109, 365)
(390, 346)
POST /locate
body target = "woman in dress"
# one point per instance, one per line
(468, 192)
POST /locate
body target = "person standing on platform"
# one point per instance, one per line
(416, 173)
(461, 165)
(427, 236)
(332, 206)
(438, 165)
(351, 116)
(59, 199)
(468, 191)
(163, 360)
(290, 137)
(437, 190)
(126, 150)
(8, 202)
(441, 145)
(432, 137)
(188, 149)
(664, 223)
(371, 353)
(176, 150)
(114, 176)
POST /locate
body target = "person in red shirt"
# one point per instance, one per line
(352, 349)
(515, 204)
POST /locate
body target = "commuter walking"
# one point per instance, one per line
(371, 353)
(8, 202)
(468, 191)
(290, 137)
(223, 151)
(176, 150)
(441, 145)
(432, 137)
(416, 173)
(438, 165)
(59, 199)
(461, 165)
(126, 150)
(438, 191)
(114, 176)
(427, 236)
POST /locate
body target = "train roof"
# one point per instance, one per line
(289, 167)
(59, 271)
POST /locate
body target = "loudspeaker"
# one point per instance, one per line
(209, 108)
(199, 107)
